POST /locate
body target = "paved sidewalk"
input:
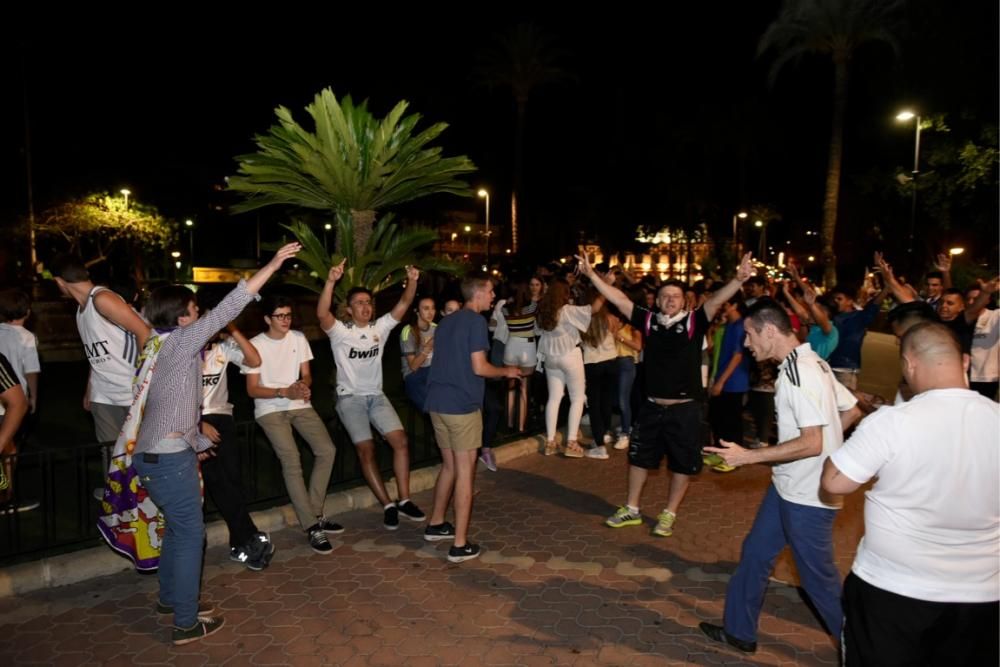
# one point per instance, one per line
(554, 587)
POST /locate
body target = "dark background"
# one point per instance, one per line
(669, 119)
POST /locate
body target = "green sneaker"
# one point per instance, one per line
(623, 517)
(723, 467)
(711, 460)
(665, 524)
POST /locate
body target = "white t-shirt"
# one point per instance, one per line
(985, 364)
(281, 361)
(807, 394)
(214, 382)
(20, 346)
(932, 520)
(566, 336)
(112, 352)
(358, 354)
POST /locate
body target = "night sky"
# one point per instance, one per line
(669, 117)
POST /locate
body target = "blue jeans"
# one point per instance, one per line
(809, 531)
(172, 482)
(626, 378)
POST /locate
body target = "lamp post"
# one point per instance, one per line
(468, 240)
(326, 229)
(483, 193)
(125, 193)
(905, 116)
(190, 227)
(742, 215)
(762, 226)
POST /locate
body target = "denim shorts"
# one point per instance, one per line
(357, 413)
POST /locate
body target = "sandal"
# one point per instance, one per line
(550, 448)
(573, 450)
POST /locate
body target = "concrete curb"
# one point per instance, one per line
(100, 561)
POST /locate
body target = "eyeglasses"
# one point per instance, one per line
(281, 316)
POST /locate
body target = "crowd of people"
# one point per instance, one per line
(664, 370)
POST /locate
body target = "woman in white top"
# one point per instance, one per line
(601, 372)
(559, 326)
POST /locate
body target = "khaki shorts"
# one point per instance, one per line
(459, 433)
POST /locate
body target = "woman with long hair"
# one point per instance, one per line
(600, 371)
(416, 342)
(559, 327)
(628, 342)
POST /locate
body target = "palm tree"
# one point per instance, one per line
(522, 59)
(352, 166)
(834, 28)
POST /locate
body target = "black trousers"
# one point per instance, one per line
(492, 410)
(761, 406)
(987, 389)
(602, 394)
(884, 629)
(223, 482)
(725, 414)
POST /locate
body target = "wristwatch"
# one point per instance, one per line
(278, 393)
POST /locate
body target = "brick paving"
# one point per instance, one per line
(554, 587)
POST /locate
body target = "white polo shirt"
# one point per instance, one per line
(932, 520)
(807, 394)
(280, 362)
(358, 354)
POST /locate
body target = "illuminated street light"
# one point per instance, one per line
(956, 251)
(742, 215)
(125, 193)
(189, 223)
(328, 226)
(811, 258)
(175, 254)
(905, 116)
(484, 194)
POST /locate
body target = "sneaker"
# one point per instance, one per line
(622, 441)
(442, 531)
(597, 453)
(329, 527)
(99, 493)
(623, 517)
(719, 634)
(664, 524)
(711, 460)
(607, 439)
(25, 506)
(203, 628)
(205, 610)
(261, 551)
(723, 467)
(460, 554)
(390, 518)
(318, 541)
(488, 459)
(409, 509)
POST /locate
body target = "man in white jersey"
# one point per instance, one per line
(925, 582)
(113, 335)
(280, 387)
(357, 347)
(813, 411)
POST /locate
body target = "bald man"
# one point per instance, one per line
(925, 583)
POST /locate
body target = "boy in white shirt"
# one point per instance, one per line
(19, 345)
(280, 389)
(357, 348)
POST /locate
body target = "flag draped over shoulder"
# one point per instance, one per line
(129, 522)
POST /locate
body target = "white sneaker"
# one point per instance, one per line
(622, 441)
(608, 439)
(597, 453)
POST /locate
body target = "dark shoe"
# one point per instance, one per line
(409, 510)
(260, 550)
(318, 541)
(460, 554)
(204, 609)
(391, 518)
(719, 634)
(203, 628)
(442, 531)
(329, 527)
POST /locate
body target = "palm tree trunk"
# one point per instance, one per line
(832, 197)
(363, 222)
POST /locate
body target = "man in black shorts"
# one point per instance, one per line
(669, 421)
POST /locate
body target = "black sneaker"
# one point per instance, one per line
(409, 509)
(391, 518)
(260, 550)
(460, 554)
(329, 527)
(719, 634)
(318, 541)
(442, 531)
(203, 628)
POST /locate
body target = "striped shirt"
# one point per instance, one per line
(8, 378)
(523, 325)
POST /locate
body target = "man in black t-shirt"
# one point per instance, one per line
(669, 421)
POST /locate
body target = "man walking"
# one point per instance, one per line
(813, 411)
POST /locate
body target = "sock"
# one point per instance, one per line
(673, 514)
(633, 510)
(391, 504)
(403, 501)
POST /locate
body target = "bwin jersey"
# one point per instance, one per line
(358, 354)
(215, 389)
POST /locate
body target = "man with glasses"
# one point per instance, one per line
(280, 387)
(357, 347)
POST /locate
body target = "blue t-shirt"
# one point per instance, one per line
(851, 327)
(732, 342)
(453, 389)
(823, 344)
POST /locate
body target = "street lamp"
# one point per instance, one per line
(125, 193)
(326, 228)
(483, 193)
(956, 251)
(762, 243)
(190, 225)
(468, 240)
(742, 215)
(905, 116)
